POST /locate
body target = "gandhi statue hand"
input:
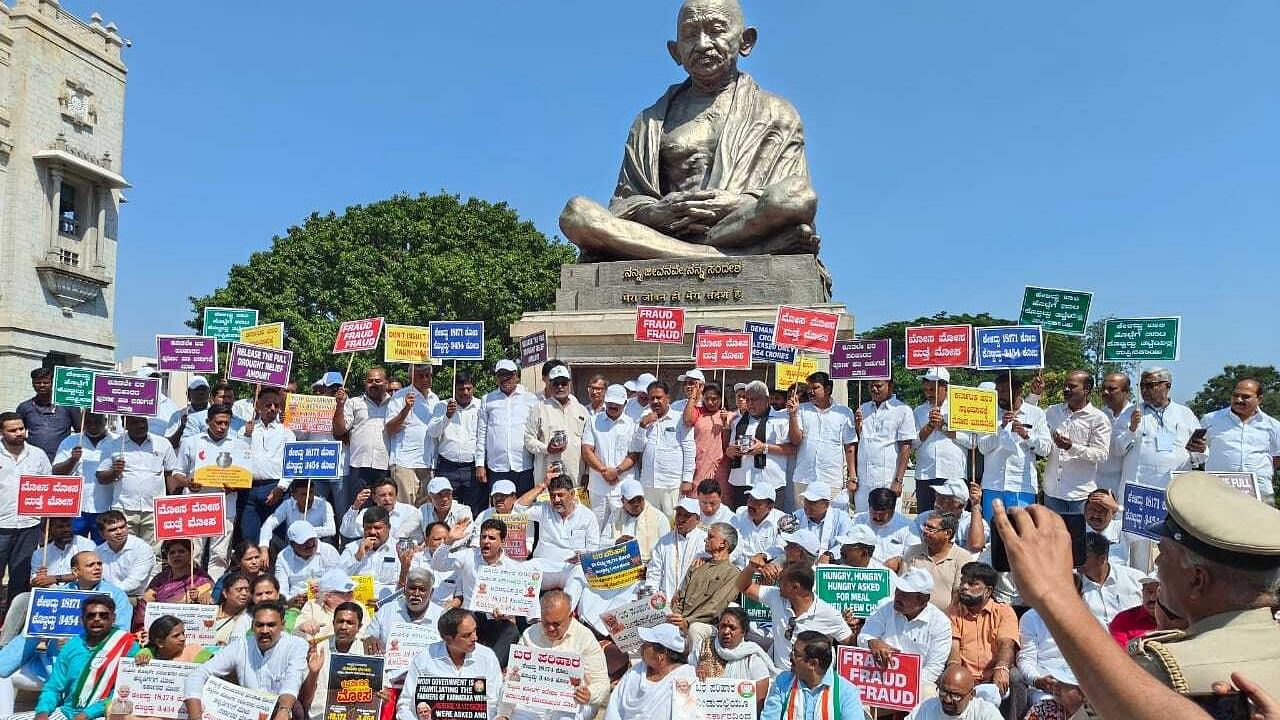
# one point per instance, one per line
(707, 207)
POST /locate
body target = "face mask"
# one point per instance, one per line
(971, 601)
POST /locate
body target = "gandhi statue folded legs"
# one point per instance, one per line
(715, 168)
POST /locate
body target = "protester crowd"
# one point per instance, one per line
(734, 496)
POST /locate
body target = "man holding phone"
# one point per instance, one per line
(1081, 436)
(1009, 472)
(1153, 435)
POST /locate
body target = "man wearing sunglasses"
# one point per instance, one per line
(85, 673)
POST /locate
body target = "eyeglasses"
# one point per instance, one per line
(948, 695)
(96, 615)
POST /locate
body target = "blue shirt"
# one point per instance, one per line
(71, 664)
(846, 693)
(47, 425)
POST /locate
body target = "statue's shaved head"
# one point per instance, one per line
(732, 8)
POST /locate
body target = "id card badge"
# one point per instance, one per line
(1164, 440)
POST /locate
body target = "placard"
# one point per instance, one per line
(896, 687)
(509, 590)
(788, 374)
(186, 353)
(259, 365)
(933, 346)
(55, 612)
(407, 344)
(225, 324)
(354, 682)
(1061, 311)
(1143, 506)
(862, 360)
(154, 690)
(533, 349)
(659, 324)
(457, 340)
(125, 395)
(73, 387)
(231, 477)
(1245, 482)
(624, 623)
(270, 335)
(190, 516)
(614, 567)
(309, 413)
(1141, 339)
(516, 544)
(715, 699)
(762, 347)
(972, 410)
(43, 496)
(318, 460)
(405, 641)
(198, 619)
(852, 588)
(451, 698)
(357, 335)
(541, 679)
(224, 701)
(1010, 348)
(802, 329)
(722, 351)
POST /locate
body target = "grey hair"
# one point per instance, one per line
(551, 597)
(728, 532)
(756, 388)
(1158, 374)
(1245, 588)
(420, 575)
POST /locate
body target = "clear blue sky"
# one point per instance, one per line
(961, 150)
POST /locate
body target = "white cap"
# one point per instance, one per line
(739, 386)
(642, 382)
(858, 535)
(331, 378)
(937, 375)
(1148, 580)
(954, 487)
(666, 634)
(318, 383)
(439, 484)
(616, 394)
(503, 487)
(629, 386)
(301, 531)
(689, 505)
(805, 539)
(693, 375)
(817, 491)
(505, 365)
(559, 372)
(762, 492)
(197, 381)
(336, 580)
(630, 489)
(917, 580)
(146, 371)
(988, 385)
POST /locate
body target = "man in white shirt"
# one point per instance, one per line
(635, 519)
(759, 446)
(1109, 588)
(666, 451)
(757, 525)
(305, 559)
(1116, 406)
(79, 454)
(51, 563)
(500, 451)
(414, 607)
(794, 608)
(553, 431)
(886, 427)
(266, 436)
(1009, 469)
(216, 446)
(676, 551)
(1081, 436)
(453, 428)
(606, 445)
(457, 655)
(710, 508)
(910, 624)
(405, 519)
(1242, 438)
(190, 420)
(440, 506)
(596, 388)
(165, 407)
(495, 631)
(375, 554)
(411, 448)
(270, 660)
(138, 467)
(940, 452)
(826, 442)
(820, 516)
(565, 528)
(638, 405)
(318, 513)
(893, 532)
(128, 561)
(558, 630)
(361, 422)
(1152, 436)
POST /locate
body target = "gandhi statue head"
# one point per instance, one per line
(710, 35)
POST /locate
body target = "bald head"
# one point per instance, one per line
(710, 35)
(730, 9)
(955, 689)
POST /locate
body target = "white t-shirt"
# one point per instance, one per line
(774, 473)
(820, 617)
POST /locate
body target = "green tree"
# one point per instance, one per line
(1216, 393)
(1094, 337)
(408, 259)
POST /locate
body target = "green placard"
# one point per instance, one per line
(73, 387)
(1060, 311)
(1141, 339)
(859, 589)
(757, 611)
(225, 324)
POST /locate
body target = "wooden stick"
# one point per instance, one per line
(455, 379)
(350, 360)
(44, 561)
(1011, 390)
(307, 502)
(657, 367)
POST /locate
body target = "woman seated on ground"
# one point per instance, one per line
(265, 588)
(166, 639)
(728, 654)
(232, 611)
(176, 582)
(248, 560)
(647, 688)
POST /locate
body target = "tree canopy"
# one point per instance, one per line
(408, 259)
(1216, 393)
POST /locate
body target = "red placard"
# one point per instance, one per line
(191, 516)
(659, 324)
(723, 351)
(50, 495)
(933, 346)
(358, 335)
(896, 687)
(802, 329)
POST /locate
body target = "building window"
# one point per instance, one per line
(67, 257)
(69, 219)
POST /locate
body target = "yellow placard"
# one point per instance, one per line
(788, 374)
(270, 335)
(232, 477)
(972, 410)
(407, 344)
(363, 592)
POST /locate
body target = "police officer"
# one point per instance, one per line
(1219, 567)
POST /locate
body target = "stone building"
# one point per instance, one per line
(62, 86)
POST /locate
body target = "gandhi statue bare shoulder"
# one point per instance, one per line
(716, 167)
